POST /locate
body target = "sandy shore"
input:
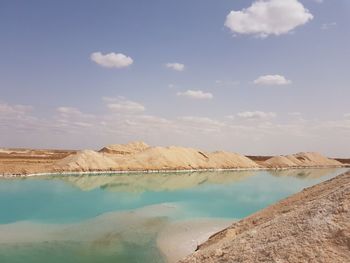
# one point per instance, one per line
(179, 239)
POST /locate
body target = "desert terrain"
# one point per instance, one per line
(138, 156)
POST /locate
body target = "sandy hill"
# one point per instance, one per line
(151, 158)
(86, 160)
(311, 226)
(227, 160)
(180, 158)
(124, 149)
(309, 159)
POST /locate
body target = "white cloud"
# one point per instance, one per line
(176, 66)
(327, 26)
(71, 112)
(256, 115)
(6, 109)
(111, 60)
(72, 118)
(70, 127)
(271, 17)
(196, 94)
(272, 80)
(201, 120)
(122, 105)
(68, 111)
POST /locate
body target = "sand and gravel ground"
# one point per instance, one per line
(26, 161)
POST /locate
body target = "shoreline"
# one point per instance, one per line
(180, 239)
(170, 171)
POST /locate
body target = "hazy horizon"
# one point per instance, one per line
(255, 77)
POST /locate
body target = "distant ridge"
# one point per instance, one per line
(139, 156)
(308, 159)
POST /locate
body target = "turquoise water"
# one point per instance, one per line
(116, 218)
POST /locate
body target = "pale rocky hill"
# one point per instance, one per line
(86, 160)
(310, 159)
(125, 149)
(228, 160)
(181, 158)
(141, 157)
(138, 156)
(311, 226)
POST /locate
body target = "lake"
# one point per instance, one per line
(122, 217)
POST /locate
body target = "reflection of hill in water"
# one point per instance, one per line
(155, 181)
(303, 173)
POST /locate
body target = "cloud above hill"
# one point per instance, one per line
(121, 104)
(128, 120)
(196, 94)
(256, 115)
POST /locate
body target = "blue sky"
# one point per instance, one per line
(239, 86)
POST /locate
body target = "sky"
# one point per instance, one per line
(255, 76)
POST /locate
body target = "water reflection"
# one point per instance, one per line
(158, 182)
(304, 173)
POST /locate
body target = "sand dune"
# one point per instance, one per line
(86, 160)
(181, 158)
(141, 157)
(310, 159)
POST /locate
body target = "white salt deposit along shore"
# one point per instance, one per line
(181, 238)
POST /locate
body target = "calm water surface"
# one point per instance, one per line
(117, 218)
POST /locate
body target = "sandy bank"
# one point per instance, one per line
(179, 239)
(311, 226)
